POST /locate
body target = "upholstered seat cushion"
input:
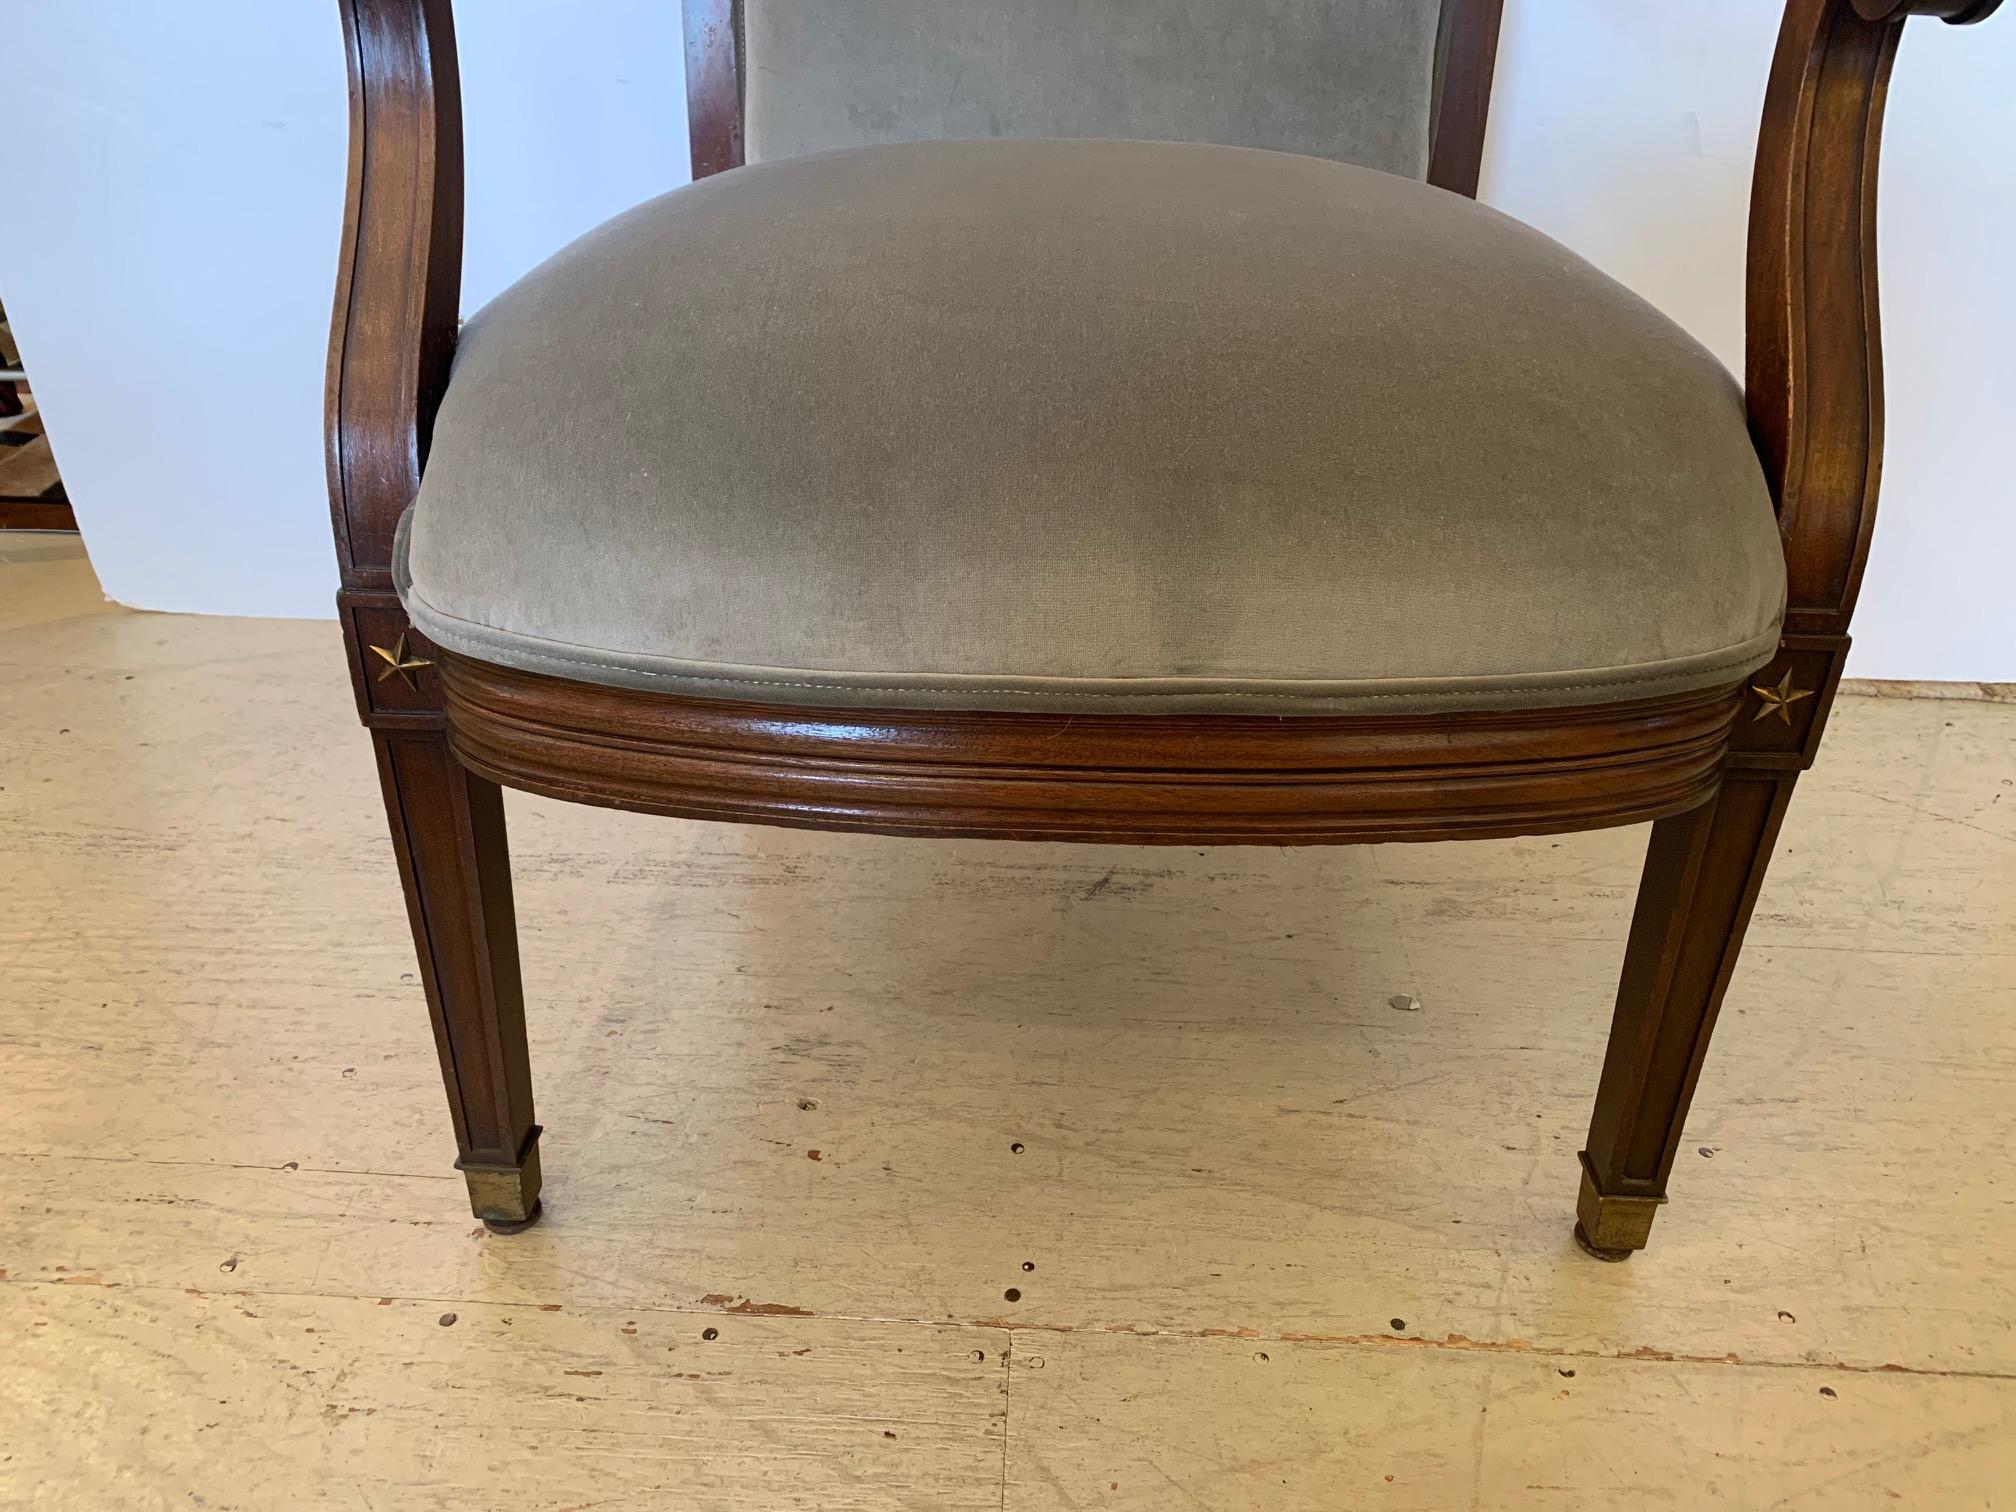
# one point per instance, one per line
(1125, 427)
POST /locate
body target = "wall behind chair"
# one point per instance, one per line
(1627, 131)
(168, 241)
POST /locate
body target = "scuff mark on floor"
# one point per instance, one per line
(744, 1307)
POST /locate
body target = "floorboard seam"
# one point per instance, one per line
(285, 1168)
(1645, 1354)
(1007, 1394)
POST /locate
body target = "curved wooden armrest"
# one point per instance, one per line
(399, 280)
(1814, 363)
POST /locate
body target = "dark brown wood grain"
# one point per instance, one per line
(713, 86)
(1814, 372)
(399, 274)
(36, 514)
(1814, 366)
(448, 836)
(398, 284)
(1703, 870)
(1165, 779)
(1467, 58)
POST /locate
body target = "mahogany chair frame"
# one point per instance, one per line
(1712, 770)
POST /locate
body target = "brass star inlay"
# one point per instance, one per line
(399, 661)
(1779, 700)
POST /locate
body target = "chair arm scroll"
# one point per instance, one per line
(1958, 12)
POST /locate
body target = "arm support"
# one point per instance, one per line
(1815, 379)
(399, 279)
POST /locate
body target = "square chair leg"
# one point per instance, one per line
(448, 830)
(1702, 872)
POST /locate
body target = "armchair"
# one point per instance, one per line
(1112, 490)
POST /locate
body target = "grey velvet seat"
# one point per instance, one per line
(1112, 426)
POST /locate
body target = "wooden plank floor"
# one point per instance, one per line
(1277, 1243)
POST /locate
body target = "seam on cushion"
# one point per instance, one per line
(851, 687)
(1730, 660)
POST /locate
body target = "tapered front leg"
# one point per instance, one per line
(390, 348)
(1702, 872)
(448, 830)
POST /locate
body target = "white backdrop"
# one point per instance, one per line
(170, 226)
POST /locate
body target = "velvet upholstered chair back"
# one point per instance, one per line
(1399, 85)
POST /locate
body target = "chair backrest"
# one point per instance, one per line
(1400, 85)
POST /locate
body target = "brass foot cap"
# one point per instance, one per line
(501, 1226)
(1611, 1255)
(1609, 1226)
(506, 1196)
